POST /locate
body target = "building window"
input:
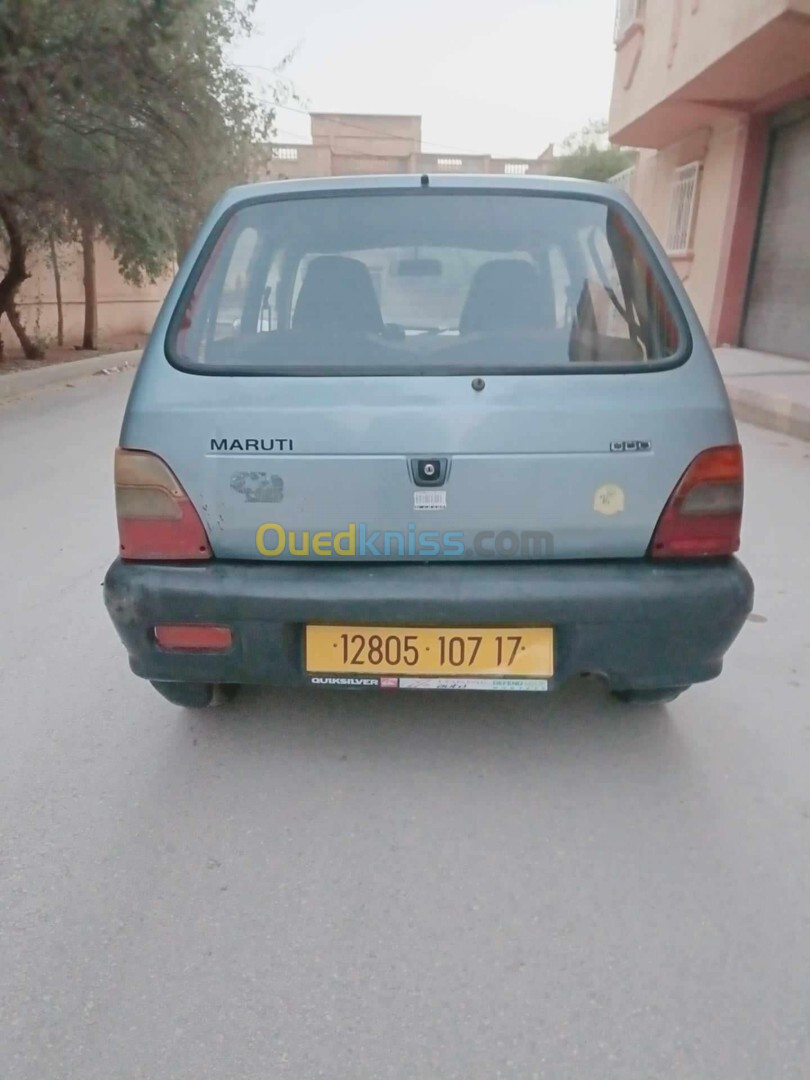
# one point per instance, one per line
(285, 153)
(449, 164)
(627, 13)
(623, 179)
(515, 168)
(683, 208)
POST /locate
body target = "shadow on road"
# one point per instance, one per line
(581, 721)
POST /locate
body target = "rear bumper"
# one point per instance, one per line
(638, 623)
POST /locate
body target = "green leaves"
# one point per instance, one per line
(589, 155)
(123, 113)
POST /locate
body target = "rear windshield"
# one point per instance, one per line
(424, 283)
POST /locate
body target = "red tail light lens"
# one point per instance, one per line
(201, 637)
(156, 519)
(704, 512)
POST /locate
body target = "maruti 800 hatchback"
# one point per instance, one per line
(427, 432)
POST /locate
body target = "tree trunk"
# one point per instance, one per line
(90, 296)
(57, 281)
(15, 275)
(29, 348)
(185, 238)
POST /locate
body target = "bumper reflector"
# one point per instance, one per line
(194, 638)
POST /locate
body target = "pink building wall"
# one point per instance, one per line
(124, 311)
(717, 147)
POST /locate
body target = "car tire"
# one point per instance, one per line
(189, 695)
(654, 696)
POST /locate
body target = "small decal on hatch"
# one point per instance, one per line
(258, 487)
(430, 500)
(609, 499)
(630, 446)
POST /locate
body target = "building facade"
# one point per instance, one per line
(348, 144)
(716, 96)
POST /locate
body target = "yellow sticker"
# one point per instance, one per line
(609, 499)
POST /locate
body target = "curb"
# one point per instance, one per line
(15, 383)
(774, 411)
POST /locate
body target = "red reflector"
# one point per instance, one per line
(193, 637)
(703, 515)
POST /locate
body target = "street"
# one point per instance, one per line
(327, 884)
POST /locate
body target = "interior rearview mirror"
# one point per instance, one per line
(418, 268)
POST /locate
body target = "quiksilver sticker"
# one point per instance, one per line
(342, 680)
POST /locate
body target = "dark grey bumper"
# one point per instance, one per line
(639, 623)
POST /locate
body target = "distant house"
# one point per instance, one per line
(348, 144)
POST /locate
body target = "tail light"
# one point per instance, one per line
(704, 512)
(156, 519)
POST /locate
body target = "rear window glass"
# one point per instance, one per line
(424, 283)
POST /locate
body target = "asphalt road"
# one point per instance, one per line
(343, 885)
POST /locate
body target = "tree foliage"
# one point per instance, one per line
(589, 155)
(121, 117)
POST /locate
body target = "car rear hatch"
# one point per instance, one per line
(423, 372)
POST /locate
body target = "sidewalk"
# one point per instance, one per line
(13, 384)
(771, 391)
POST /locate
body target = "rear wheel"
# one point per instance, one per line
(655, 695)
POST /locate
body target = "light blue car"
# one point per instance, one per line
(409, 432)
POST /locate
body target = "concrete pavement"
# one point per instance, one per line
(772, 391)
(358, 886)
(14, 384)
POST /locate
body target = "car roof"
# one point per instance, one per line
(462, 182)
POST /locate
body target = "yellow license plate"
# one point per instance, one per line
(516, 652)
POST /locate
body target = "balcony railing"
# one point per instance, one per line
(623, 179)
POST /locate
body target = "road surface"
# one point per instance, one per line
(316, 884)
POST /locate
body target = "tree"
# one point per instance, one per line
(53, 255)
(22, 232)
(123, 117)
(589, 155)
